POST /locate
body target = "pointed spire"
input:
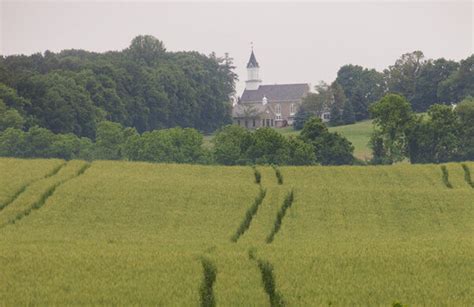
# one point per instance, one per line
(252, 61)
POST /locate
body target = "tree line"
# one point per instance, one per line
(232, 145)
(143, 86)
(423, 82)
(443, 134)
(145, 103)
(147, 87)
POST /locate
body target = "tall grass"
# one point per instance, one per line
(36, 205)
(14, 196)
(24, 186)
(26, 207)
(134, 233)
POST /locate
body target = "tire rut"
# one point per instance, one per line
(24, 187)
(45, 196)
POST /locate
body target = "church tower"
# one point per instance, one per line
(253, 82)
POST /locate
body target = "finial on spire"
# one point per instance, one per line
(252, 61)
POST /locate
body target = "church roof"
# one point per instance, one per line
(252, 110)
(252, 61)
(276, 92)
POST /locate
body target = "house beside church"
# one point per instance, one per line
(267, 105)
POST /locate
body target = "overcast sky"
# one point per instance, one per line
(293, 42)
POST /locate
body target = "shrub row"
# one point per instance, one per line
(233, 145)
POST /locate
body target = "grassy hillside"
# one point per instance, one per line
(188, 235)
(358, 134)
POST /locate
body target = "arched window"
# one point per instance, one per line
(292, 109)
(278, 111)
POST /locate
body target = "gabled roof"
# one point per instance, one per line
(276, 92)
(251, 110)
(252, 61)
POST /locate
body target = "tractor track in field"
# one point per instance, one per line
(467, 175)
(265, 267)
(24, 187)
(278, 174)
(209, 277)
(251, 211)
(46, 195)
(445, 177)
(257, 174)
(268, 280)
(280, 215)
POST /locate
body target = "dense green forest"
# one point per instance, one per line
(143, 86)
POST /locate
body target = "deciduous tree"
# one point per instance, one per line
(391, 116)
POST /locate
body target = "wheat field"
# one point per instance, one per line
(120, 233)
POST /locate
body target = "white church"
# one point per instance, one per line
(267, 105)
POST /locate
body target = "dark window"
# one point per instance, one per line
(263, 123)
(253, 123)
(238, 122)
(272, 122)
(268, 122)
(246, 123)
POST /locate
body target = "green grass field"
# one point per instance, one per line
(358, 134)
(122, 233)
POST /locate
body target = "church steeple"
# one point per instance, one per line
(253, 81)
(252, 61)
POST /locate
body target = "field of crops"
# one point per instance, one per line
(122, 233)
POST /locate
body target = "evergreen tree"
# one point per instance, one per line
(300, 119)
(337, 107)
(348, 116)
